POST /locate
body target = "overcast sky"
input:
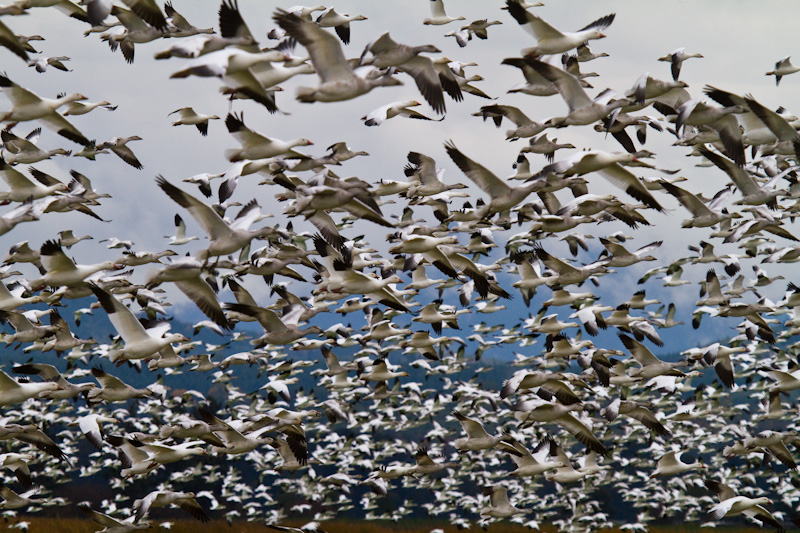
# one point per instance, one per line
(740, 42)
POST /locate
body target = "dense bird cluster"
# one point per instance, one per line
(589, 416)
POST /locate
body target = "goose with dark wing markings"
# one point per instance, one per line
(338, 80)
(531, 463)
(676, 59)
(783, 68)
(165, 498)
(549, 39)
(388, 53)
(224, 238)
(28, 106)
(139, 343)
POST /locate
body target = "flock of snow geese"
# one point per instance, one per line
(591, 420)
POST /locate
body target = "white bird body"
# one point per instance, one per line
(338, 80)
(549, 39)
(28, 106)
(13, 392)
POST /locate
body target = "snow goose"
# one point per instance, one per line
(636, 411)
(341, 152)
(235, 442)
(703, 215)
(12, 500)
(480, 27)
(535, 84)
(180, 236)
(12, 297)
(783, 68)
(531, 463)
(11, 41)
(118, 145)
(380, 372)
(199, 45)
(19, 150)
(567, 274)
(189, 428)
(139, 343)
(477, 438)
(388, 53)
(530, 275)
(391, 110)
(141, 26)
(178, 26)
(270, 74)
(62, 341)
(503, 197)
(608, 165)
(32, 435)
(164, 498)
(236, 68)
(338, 79)
(778, 125)
(696, 113)
(161, 454)
(551, 40)
(732, 504)
(567, 473)
(525, 127)
(18, 463)
(23, 188)
(112, 524)
(530, 411)
(41, 63)
(670, 464)
(774, 443)
(256, 145)
(62, 271)
(188, 116)
(650, 365)
(24, 330)
(543, 145)
(224, 238)
(340, 22)
(341, 277)
(281, 330)
(293, 452)
(26, 212)
(500, 506)
(549, 382)
(91, 426)
(649, 88)
(584, 53)
(50, 373)
(619, 256)
(676, 58)
(112, 389)
(81, 108)
(437, 315)
(334, 367)
(28, 106)
(426, 465)
(89, 195)
(425, 177)
(12, 392)
(452, 263)
(752, 192)
(438, 16)
(190, 276)
(582, 110)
